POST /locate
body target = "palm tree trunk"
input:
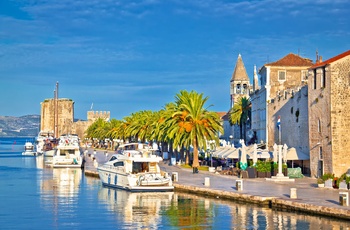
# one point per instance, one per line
(195, 163)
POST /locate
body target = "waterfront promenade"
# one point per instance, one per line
(310, 198)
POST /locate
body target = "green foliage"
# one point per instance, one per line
(263, 166)
(240, 113)
(320, 180)
(327, 176)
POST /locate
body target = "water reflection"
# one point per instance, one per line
(183, 210)
(64, 182)
(136, 209)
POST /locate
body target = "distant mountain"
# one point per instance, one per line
(25, 126)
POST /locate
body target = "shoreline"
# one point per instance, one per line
(260, 192)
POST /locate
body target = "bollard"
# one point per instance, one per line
(293, 193)
(175, 176)
(207, 181)
(239, 185)
(344, 198)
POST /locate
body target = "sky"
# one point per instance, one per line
(126, 56)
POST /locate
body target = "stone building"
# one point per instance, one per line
(329, 115)
(239, 86)
(57, 116)
(282, 93)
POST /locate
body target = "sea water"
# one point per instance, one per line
(34, 196)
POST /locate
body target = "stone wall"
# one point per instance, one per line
(65, 115)
(94, 115)
(292, 106)
(340, 115)
(293, 78)
(329, 118)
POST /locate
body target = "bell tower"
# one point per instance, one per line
(239, 84)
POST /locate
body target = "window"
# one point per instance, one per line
(315, 78)
(321, 153)
(319, 126)
(238, 88)
(281, 75)
(304, 75)
(323, 78)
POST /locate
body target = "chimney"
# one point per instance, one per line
(320, 59)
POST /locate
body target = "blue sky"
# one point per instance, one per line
(127, 56)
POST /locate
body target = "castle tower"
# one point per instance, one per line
(239, 84)
(63, 112)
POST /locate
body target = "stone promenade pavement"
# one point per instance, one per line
(310, 198)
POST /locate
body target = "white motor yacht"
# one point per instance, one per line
(135, 168)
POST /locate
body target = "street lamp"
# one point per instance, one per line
(231, 138)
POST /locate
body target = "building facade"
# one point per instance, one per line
(282, 94)
(329, 115)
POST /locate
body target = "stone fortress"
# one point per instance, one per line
(57, 117)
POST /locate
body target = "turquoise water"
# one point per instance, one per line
(33, 196)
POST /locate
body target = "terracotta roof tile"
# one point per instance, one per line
(333, 59)
(291, 60)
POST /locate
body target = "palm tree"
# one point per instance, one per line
(98, 129)
(240, 114)
(191, 124)
(140, 125)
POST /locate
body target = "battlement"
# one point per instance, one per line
(94, 115)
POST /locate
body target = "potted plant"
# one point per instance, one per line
(320, 182)
(347, 180)
(260, 169)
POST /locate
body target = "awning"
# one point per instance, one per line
(294, 154)
(233, 154)
(220, 151)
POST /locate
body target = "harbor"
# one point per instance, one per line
(308, 198)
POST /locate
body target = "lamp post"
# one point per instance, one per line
(231, 138)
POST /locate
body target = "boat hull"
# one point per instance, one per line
(111, 178)
(29, 153)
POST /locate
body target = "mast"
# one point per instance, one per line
(56, 110)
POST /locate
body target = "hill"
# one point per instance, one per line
(24, 126)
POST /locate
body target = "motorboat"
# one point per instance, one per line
(45, 143)
(68, 153)
(135, 167)
(29, 149)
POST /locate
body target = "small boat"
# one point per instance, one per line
(45, 143)
(135, 168)
(67, 153)
(29, 149)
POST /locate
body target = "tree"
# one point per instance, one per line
(191, 124)
(240, 114)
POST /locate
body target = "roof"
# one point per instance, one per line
(333, 59)
(223, 115)
(239, 73)
(291, 60)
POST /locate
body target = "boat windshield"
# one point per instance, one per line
(138, 167)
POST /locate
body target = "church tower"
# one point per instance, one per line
(239, 84)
